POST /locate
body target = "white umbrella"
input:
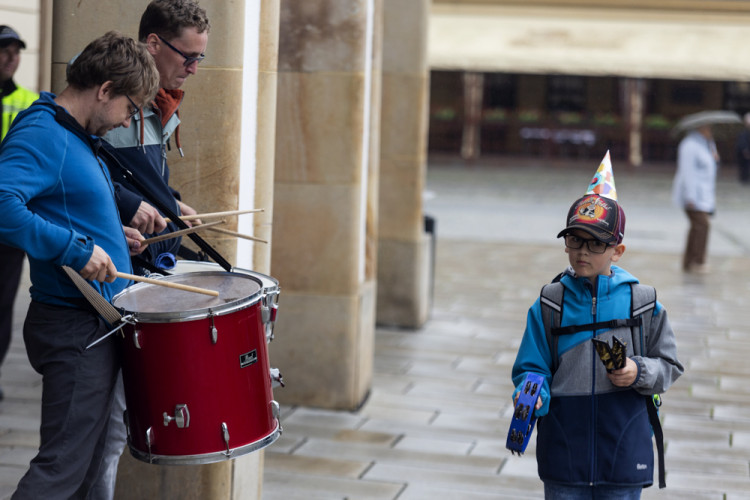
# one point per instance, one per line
(722, 119)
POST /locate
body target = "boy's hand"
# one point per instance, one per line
(624, 377)
(538, 401)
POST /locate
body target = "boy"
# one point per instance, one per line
(593, 434)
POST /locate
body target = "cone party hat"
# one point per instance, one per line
(603, 182)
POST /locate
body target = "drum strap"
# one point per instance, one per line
(203, 244)
(100, 151)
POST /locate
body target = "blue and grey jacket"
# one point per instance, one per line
(591, 432)
(142, 149)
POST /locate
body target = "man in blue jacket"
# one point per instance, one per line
(58, 205)
(594, 435)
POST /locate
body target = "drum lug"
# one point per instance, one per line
(276, 412)
(225, 434)
(137, 338)
(276, 378)
(213, 330)
(268, 311)
(181, 417)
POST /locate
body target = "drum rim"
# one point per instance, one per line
(239, 270)
(194, 314)
(207, 458)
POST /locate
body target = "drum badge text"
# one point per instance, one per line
(248, 359)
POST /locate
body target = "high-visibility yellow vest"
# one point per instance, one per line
(14, 103)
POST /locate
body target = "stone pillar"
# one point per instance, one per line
(322, 202)
(473, 95)
(404, 249)
(216, 133)
(634, 95)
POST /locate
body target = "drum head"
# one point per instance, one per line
(269, 283)
(147, 300)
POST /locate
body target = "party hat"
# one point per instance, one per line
(603, 182)
(598, 212)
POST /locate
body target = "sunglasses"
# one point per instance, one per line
(188, 59)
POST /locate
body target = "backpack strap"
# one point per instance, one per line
(601, 325)
(643, 303)
(551, 299)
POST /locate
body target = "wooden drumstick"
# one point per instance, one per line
(181, 232)
(213, 215)
(236, 234)
(168, 284)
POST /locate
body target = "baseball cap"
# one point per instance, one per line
(8, 35)
(602, 218)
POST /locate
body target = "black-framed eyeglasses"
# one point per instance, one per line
(188, 59)
(135, 109)
(594, 245)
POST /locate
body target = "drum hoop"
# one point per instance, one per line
(269, 284)
(207, 458)
(194, 314)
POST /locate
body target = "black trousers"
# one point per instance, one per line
(77, 391)
(11, 264)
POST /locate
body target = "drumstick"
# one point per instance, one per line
(168, 284)
(214, 215)
(236, 234)
(181, 232)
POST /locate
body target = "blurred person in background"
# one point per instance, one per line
(694, 190)
(14, 100)
(743, 151)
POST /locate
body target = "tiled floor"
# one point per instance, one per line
(435, 423)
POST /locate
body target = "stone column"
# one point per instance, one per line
(473, 95)
(322, 202)
(404, 249)
(211, 177)
(634, 90)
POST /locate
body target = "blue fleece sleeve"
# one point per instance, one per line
(30, 174)
(534, 356)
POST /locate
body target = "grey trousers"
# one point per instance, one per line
(114, 444)
(77, 391)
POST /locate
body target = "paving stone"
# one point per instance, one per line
(301, 486)
(297, 463)
(443, 458)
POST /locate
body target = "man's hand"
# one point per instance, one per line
(135, 240)
(188, 210)
(148, 220)
(99, 267)
(624, 377)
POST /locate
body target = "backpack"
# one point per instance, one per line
(643, 301)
